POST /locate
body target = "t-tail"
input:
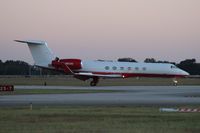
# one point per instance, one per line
(40, 51)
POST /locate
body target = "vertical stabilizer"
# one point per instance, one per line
(41, 53)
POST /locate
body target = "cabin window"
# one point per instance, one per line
(136, 68)
(114, 68)
(107, 67)
(144, 68)
(121, 68)
(129, 68)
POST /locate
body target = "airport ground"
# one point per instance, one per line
(70, 81)
(97, 118)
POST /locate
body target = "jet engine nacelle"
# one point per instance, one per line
(67, 64)
(73, 64)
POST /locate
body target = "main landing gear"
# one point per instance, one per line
(94, 81)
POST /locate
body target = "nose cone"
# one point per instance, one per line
(184, 73)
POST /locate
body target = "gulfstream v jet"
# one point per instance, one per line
(96, 69)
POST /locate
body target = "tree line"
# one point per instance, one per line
(18, 67)
(11, 67)
(189, 65)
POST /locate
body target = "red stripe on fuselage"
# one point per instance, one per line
(127, 75)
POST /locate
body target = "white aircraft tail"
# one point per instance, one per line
(41, 53)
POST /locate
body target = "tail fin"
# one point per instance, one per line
(41, 54)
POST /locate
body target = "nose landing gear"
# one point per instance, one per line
(175, 82)
(94, 81)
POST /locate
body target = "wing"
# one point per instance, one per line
(84, 75)
(88, 74)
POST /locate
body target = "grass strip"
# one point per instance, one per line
(96, 120)
(66, 81)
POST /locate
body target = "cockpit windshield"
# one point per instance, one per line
(173, 66)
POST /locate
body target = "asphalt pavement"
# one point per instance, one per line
(129, 95)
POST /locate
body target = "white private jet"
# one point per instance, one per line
(85, 69)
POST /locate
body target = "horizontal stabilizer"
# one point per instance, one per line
(31, 42)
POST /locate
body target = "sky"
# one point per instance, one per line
(102, 29)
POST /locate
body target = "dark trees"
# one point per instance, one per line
(190, 66)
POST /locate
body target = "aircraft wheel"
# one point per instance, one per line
(175, 82)
(92, 83)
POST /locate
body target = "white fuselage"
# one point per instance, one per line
(131, 68)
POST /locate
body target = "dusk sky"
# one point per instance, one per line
(102, 29)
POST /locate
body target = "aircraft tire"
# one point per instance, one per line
(92, 83)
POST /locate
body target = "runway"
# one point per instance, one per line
(129, 95)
